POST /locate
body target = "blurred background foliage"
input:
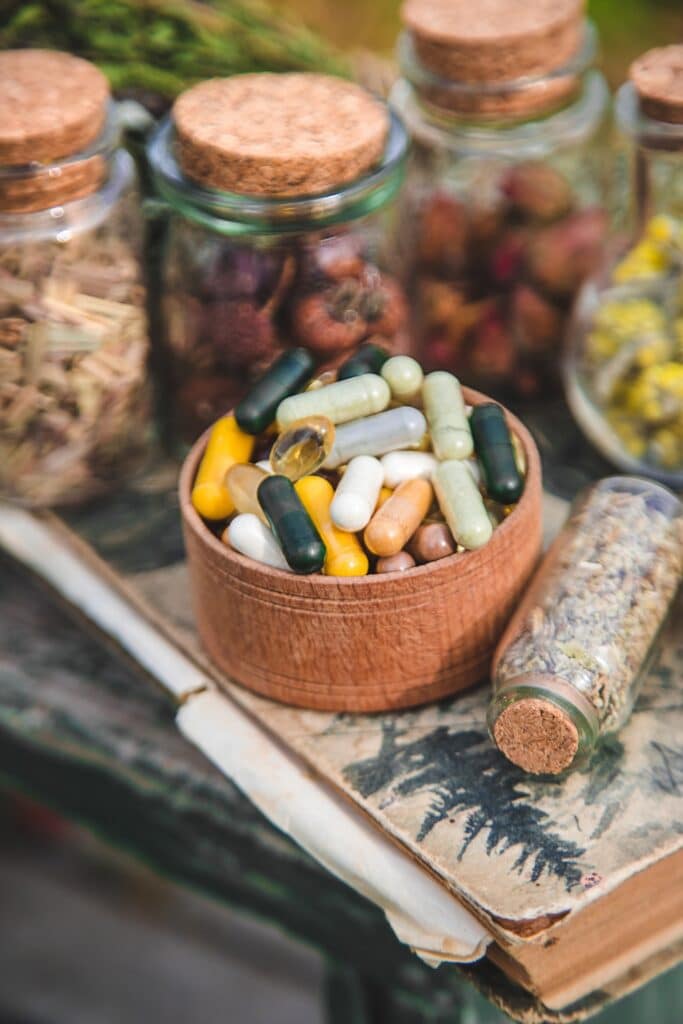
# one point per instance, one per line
(154, 48)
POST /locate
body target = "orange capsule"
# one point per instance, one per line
(396, 521)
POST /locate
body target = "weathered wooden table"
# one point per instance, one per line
(83, 733)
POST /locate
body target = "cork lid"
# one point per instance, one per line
(278, 134)
(537, 736)
(494, 40)
(658, 79)
(53, 105)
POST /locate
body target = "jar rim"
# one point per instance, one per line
(646, 130)
(423, 79)
(62, 222)
(103, 146)
(237, 213)
(524, 138)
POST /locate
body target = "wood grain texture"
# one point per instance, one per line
(368, 643)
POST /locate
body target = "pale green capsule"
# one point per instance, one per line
(404, 376)
(461, 504)
(445, 410)
(342, 401)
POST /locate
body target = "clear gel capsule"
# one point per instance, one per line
(345, 556)
(445, 410)
(242, 481)
(462, 504)
(290, 522)
(226, 446)
(342, 401)
(401, 466)
(404, 376)
(285, 377)
(493, 445)
(357, 494)
(303, 447)
(396, 521)
(251, 537)
(368, 359)
(403, 427)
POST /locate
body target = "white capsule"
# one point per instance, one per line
(342, 401)
(403, 427)
(404, 376)
(449, 427)
(356, 496)
(248, 535)
(401, 466)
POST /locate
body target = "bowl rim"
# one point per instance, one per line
(533, 482)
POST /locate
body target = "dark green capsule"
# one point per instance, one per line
(285, 377)
(300, 541)
(368, 358)
(493, 445)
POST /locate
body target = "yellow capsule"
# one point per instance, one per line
(396, 521)
(242, 481)
(303, 447)
(345, 556)
(384, 495)
(227, 445)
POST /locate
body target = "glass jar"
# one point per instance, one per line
(568, 668)
(503, 213)
(74, 406)
(246, 276)
(624, 366)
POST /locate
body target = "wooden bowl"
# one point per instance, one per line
(367, 643)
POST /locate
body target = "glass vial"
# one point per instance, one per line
(568, 668)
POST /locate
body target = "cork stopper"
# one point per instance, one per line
(53, 105)
(278, 134)
(494, 40)
(657, 77)
(537, 736)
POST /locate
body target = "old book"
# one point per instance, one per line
(579, 880)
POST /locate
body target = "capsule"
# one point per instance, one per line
(401, 466)
(227, 445)
(396, 521)
(496, 454)
(345, 556)
(445, 410)
(404, 376)
(462, 504)
(368, 359)
(431, 541)
(251, 537)
(285, 377)
(342, 401)
(357, 494)
(395, 563)
(290, 522)
(403, 427)
(242, 481)
(303, 447)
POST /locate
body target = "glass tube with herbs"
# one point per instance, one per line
(568, 668)
(504, 210)
(74, 403)
(279, 189)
